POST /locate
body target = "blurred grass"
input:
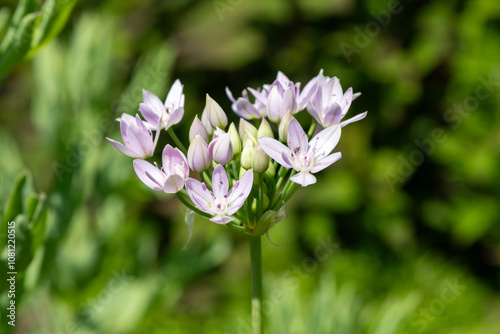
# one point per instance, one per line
(112, 259)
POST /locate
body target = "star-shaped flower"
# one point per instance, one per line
(220, 202)
(303, 156)
(168, 113)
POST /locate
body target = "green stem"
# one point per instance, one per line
(192, 207)
(284, 192)
(256, 266)
(176, 140)
(311, 129)
(235, 226)
(207, 180)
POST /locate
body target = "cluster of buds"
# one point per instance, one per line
(244, 175)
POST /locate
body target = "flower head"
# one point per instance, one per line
(303, 156)
(329, 104)
(220, 202)
(171, 177)
(139, 142)
(167, 114)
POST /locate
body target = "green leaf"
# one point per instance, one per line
(20, 45)
(4, 20)
(15, 202)
(39, 223)
(23, 8)
(31, 205)
(54, 15)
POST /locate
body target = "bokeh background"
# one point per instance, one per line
(402, 235)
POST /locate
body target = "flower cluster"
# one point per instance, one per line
(244, 175)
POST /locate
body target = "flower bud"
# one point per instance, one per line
(259, 160)
(271, 171)
(206, 123)
(198, 154)
(242, 172)
(214, 113)
(246, 154)
(265, 129)
(235, 139)
(283, 127)
(220, 147)
(247, 129)
(197, 128)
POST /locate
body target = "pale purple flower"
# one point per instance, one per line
(221, 148)
(243, 107)
(281, 100)
(199, 156)
(303, 156)
(171, 177)
(167, 114)
(139, 142)
(220, 202)
(329, 104)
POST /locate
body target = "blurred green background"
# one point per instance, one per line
(402, 235)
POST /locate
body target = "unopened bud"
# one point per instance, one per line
(265, 129)
(215, 114)
(259, 160)
(235, 139)
(242, 172)
(206, 123)
(271, 171)
(197, 128)
(198, 154)
(246, 154)
(247, 129)
(283, 127)
(221, 148)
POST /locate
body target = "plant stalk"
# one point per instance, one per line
(256, 266)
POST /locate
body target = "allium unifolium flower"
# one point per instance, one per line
(197, 128)
(280, 101)
(214, 114)
(171, 177)
(238, 154)
(243, 107)
(221, 148)
(167, 114)
(220, 202)
(303, 156)
(139, 142)
(328, 104)
(199, 157)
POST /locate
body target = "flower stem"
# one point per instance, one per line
(192, 207)
(311, 129)
(176, 140)
(256, 266)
